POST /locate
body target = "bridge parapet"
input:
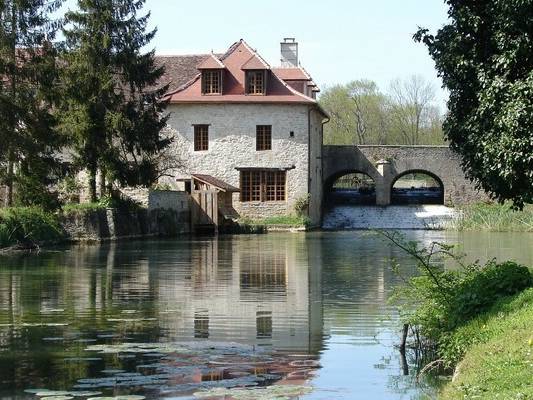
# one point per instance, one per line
(386, 164)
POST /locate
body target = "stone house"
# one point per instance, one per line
(255, 127)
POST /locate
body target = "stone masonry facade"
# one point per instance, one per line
(232, 146)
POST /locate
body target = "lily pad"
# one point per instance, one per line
(52, 393)
(127, 397)
(85, 394)
(276, 392)
(35, 391)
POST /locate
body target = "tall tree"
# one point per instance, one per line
(358, 113)
(410, 105)
(28, 78)
(485, 58)
(112, 109)
(362, 114)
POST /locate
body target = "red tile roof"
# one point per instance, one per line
(255, 62)
(211, 62)
(238, 55)
(292, 74)
(179, 69)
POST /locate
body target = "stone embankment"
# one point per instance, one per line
(112, 224)
(423, 217)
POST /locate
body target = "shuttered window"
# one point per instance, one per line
(263, 185)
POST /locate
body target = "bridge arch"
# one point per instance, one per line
(416, 186)
(350, 186)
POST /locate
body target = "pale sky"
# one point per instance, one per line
(340, 40)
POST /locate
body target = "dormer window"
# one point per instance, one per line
(212, 81)
(256, 82)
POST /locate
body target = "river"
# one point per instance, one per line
(167, 318)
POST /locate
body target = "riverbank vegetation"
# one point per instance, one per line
(498, 361)
(295, 221)
(462, 317)
(26, 227)
(495, 218)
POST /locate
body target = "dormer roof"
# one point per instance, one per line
(211, 62)
(254, 63)
(239, 58)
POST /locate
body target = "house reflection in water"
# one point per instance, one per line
(259, 293)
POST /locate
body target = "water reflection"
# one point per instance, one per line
(257, 292)
(322, 294)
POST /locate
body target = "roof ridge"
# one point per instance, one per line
(230, 50)
(182, 55)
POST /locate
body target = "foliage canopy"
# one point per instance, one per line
(485, 58)
(116, 116)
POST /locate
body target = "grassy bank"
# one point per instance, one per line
(28, 227)
(283, 220)
(498, 363)
(495, 218)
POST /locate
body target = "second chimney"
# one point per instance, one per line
(289, 53)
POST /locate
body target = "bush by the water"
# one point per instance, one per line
(439, 301)
(121, 203)
(496, 218)
(28, 226)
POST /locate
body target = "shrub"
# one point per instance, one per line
(28, 226)
(438, 301)
(301, 207)
(69, 190)
(32, 192)
(120, 203)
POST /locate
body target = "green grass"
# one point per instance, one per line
(498, 362)
(282, 220)
(82, 207)
(495, 218)
(28, 226)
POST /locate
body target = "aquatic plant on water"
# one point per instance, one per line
(274, 392)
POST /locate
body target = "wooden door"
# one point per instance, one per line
(205, 207)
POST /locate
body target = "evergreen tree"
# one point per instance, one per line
(111, 108)
(28, 81)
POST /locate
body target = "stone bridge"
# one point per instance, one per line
(386, 164)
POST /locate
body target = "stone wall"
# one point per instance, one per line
(168, 200)
(439, 161)
(232, 145)
(110, 224)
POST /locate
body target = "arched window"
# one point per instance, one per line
(417, 187)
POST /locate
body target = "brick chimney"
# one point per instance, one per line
(289, 53)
